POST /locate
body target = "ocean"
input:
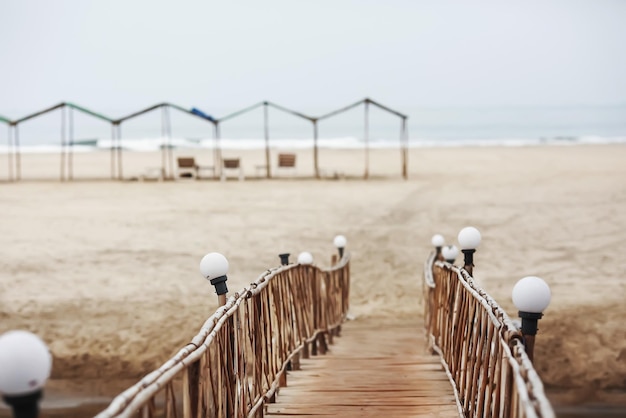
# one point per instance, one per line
(427, 127)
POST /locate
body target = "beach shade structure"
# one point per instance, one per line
(25, 366)
(404, 138)
(167, 154)
(266, 135)
(67, 137)
(469, 239)
(531, 296)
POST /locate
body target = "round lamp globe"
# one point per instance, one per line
(531, 294)
(305, 258)
(213, 265)
(469, 238)
(25, 363)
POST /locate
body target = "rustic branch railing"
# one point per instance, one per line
(480, 347)
(239, 358)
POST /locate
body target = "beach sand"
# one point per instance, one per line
(107, 272)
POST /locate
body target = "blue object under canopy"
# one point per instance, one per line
(200, 113)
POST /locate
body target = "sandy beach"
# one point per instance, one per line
(107, 272)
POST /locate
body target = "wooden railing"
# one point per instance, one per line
(480, 347)
(239, 359)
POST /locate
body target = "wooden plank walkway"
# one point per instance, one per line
(373, 369)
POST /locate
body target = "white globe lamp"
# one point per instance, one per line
(469, 240)
(214, 267)
(340, 242)
(305, 258)
(437, 240)
(531, 296)
(25, 366)
(449, 253)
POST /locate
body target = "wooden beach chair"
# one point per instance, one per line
(187, 168)
(287, 161)
(232, 164)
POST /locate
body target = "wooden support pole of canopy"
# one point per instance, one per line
(266, 128)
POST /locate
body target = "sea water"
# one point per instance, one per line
(354, 129)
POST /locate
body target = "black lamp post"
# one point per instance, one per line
(531, 296)
(284, 258)
(469, 239)
(340, 242)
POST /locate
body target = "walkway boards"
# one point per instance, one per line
(373, 369)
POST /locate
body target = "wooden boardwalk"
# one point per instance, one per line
(373, 369)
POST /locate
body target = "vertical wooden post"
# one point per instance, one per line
(321, 342)
(113, 132)
(164, 144)
(63, 141)
(469, 261)
(169, 151)
(70, 155)
(120, 171)
(191, 383)
(366, 141)
(18, 155)
(63, 120)
(529, 330)
(315, 285)
(10, 154)
(217, 153)
(529, 344)
(404, 139)
(295, 362)
(268, 171)
(315, 150)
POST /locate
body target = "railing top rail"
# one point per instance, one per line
(528, 383)
(135, 396)
(498, 315)
(428, 271)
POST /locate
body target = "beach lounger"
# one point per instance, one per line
(232, 164)
(188, 168)
(287, 161)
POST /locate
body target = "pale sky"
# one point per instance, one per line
(120, 55)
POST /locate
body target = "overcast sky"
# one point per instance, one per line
(119, 55)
